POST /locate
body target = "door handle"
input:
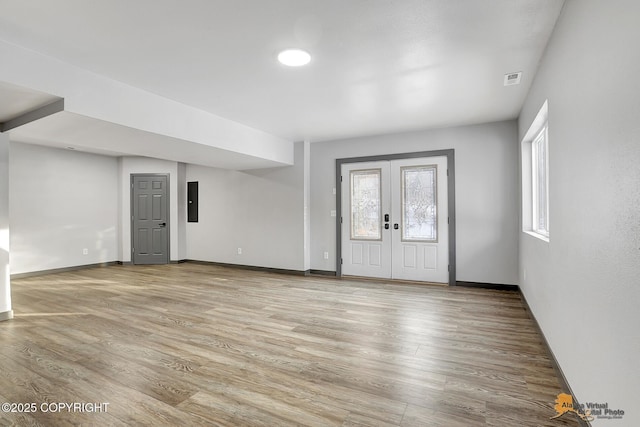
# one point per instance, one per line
(386, 226)
(395, 226)
(163, 224)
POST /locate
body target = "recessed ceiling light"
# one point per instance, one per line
(294, 57)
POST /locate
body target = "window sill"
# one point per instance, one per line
(537, 235)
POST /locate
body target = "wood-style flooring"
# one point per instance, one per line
(191, 345)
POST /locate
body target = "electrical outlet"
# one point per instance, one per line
(333, 213)
(334, 191)
(239, 251)
(326, 255)
(85, 251)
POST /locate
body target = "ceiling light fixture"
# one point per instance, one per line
(294, 57)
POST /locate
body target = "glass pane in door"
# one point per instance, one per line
(366, 216)
(419, 203)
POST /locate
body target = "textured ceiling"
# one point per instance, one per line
(378, 66)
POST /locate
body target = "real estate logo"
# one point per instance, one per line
(587, 412)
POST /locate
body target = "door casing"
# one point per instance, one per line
(449, 154)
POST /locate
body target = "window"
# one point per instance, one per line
(366, 215)
(535, 177)
(419, 204)
(540, 183)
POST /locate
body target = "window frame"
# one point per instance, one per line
(535, 177)
(540, 182)
(403, 198)
(352, 174)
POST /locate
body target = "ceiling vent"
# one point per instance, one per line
(512, 78)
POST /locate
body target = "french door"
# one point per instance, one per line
(395, 219)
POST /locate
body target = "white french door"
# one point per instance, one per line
(395, 219)
(366, 195)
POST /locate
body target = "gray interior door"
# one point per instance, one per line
(150, 219)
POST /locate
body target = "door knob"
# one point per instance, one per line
(395, 226)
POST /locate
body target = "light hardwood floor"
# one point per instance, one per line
(191, 344)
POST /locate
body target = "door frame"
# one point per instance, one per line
(131, 201)
(451, 175)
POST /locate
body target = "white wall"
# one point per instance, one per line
(583, 286)
(306, 202)
(133, 165)
(486, 194)
(182, 211)
(260, 211)
(5, 283)
(60, 203)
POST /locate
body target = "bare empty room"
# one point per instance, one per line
(319, 213)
